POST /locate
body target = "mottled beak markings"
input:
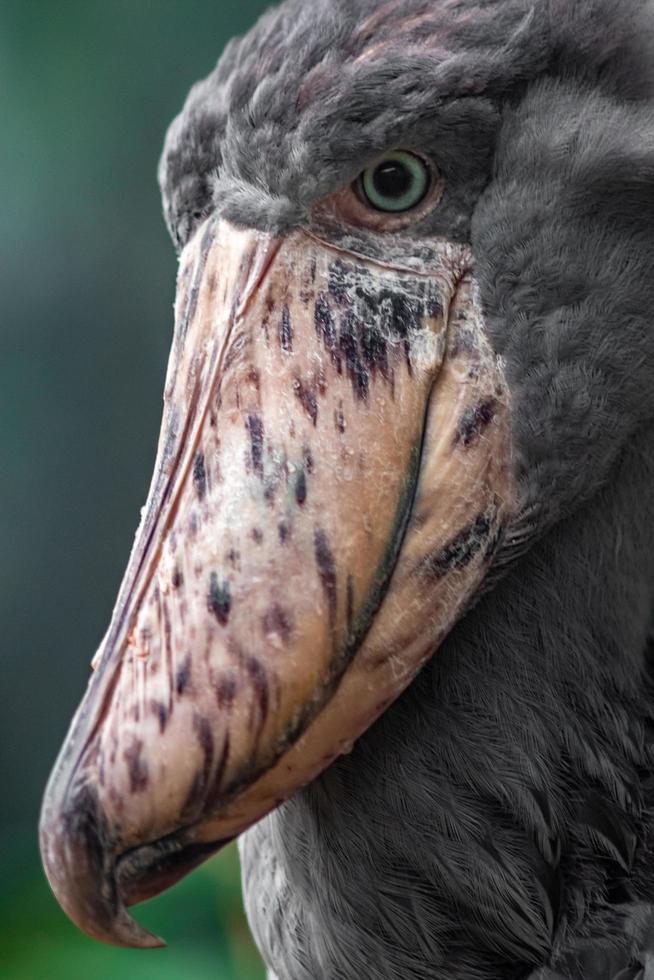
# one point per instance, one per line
(332, 480)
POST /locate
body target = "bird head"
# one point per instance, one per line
(409, 336)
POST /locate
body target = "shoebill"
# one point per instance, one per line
(389, 603)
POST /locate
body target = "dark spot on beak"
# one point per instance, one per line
(403, 315)
(326, 570)
(137, 768)
(326, 328)
(219, 599)
(374, 349)
(257, 674)
(434, 306)
(183, 675)
(307, 399)
(205, 738)
(222, 765)
(473, 422)
(286, 330)
(199, 475)
(459, 552)
(161, 711)
(369, 317)
(254, 425)
(198, 788)
(277, 620)
(301, 488)
(337, 283)
(226, 690)
(254, 379)
(349, 346)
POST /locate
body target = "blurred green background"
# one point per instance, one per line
(87, 88)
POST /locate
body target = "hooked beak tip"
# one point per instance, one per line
(82, 873)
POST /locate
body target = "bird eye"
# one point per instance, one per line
(397, 182)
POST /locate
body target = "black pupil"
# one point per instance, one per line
(392, 179)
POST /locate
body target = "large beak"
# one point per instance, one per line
(332, 480)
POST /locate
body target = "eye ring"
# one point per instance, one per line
(395, 184)
(349, 206)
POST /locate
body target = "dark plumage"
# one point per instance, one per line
(497, 821)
